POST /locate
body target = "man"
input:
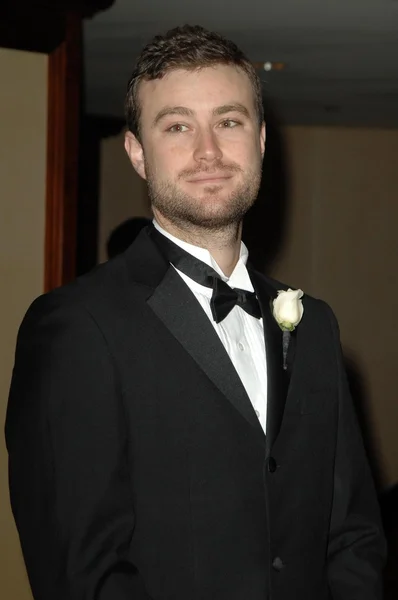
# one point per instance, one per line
(166, 439)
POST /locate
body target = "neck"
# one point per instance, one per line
(223, 244)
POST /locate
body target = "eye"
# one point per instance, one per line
(229, 124)
(177, 128)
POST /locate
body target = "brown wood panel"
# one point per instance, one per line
(64, 80)
(55, 28)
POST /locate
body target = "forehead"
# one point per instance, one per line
(200, 90)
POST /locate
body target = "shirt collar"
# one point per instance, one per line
(239, 277)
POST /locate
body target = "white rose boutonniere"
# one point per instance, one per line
(288, 311)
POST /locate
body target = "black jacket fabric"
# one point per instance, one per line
(139, 470)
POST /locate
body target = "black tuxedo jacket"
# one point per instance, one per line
(138, 468)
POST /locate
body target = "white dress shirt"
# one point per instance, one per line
(241, 334)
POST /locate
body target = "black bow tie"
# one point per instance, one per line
(224, 298)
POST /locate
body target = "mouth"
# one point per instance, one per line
(209, 178)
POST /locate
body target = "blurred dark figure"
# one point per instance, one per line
(388, 498)
(124, 235)
(389, 513)
(265, 224)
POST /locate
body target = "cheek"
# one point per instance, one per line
(245, 151)
(165, 164)
(247, 159)
(154, 157)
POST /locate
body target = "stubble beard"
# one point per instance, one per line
(208, 212)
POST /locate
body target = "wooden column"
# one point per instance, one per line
(64, 79)
(55, 28)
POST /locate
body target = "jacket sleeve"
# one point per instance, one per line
(68, 468)
(356, 550)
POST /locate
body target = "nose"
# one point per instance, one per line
(207, 147)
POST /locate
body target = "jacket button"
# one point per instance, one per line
(272, 466)
(277, 564)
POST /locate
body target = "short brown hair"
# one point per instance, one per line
(187, 47)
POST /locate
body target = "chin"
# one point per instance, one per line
(218, 216)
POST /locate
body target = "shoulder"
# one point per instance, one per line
(83, 296)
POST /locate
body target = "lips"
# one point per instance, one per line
(209, 178)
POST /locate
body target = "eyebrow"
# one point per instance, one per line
(187, 112)
(172, 110)
(235, 107)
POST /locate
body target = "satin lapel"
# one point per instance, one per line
(278, 379)
(175, 305)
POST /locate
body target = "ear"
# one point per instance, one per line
(135, 153)
(263, 136)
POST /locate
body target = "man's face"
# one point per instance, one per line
(201, 146)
